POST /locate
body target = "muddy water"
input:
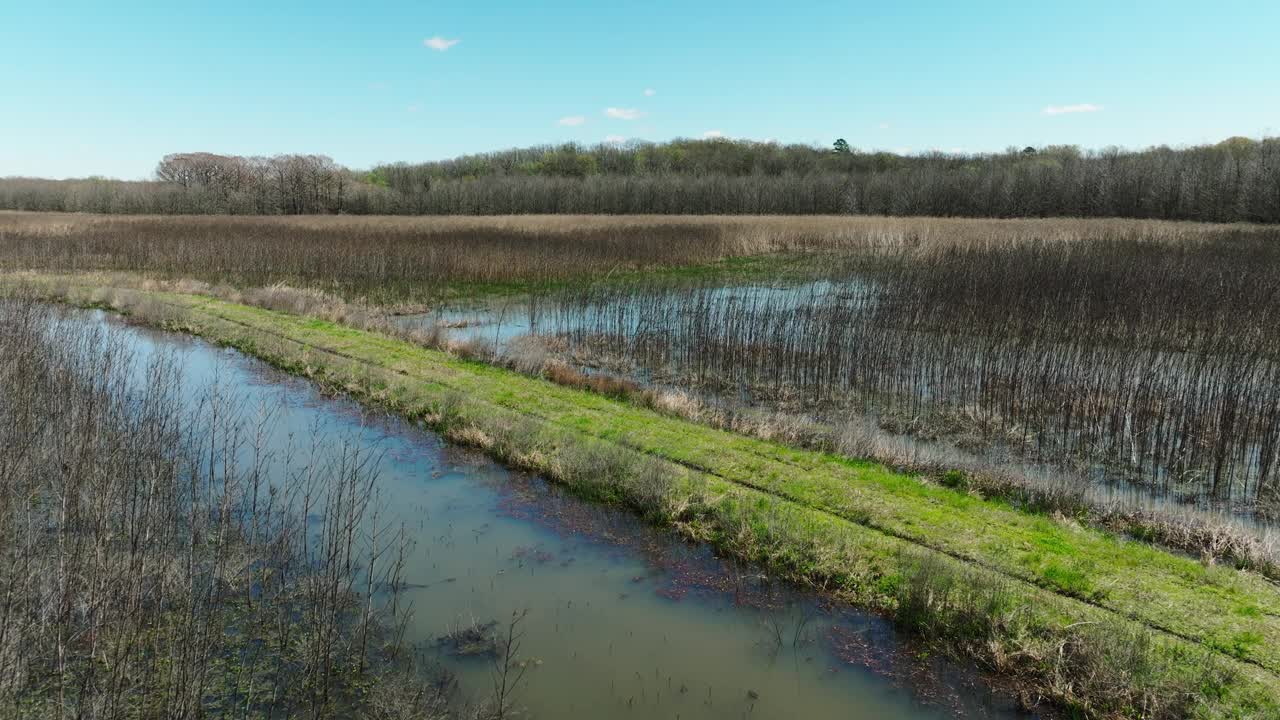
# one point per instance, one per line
(624, 620)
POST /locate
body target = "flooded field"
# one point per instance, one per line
(623, 620)
(815, 349)
(501, 320)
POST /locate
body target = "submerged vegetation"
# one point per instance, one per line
(154, 563)
(163, 555)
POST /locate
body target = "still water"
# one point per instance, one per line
(567, 321)
(624, 620)
(500, 320)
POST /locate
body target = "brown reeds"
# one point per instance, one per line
(389, 259)
(1156, 358)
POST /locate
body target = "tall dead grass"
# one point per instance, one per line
(388, 259)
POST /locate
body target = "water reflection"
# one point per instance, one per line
(623, 618)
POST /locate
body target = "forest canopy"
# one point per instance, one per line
(1234, 180)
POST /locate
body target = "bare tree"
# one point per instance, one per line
(508, 668)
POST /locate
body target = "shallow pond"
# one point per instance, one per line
(500, 320)
(624, 619)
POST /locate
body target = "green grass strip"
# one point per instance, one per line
(1235, 612)
(848, 526)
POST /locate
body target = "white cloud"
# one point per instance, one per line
(440, 44)
(415, 107)
(379, 85)
(614, 139)
(572, 120)
(712, 134)
(650, 92)
(1065, 109)
(623, 113)
(884, 126)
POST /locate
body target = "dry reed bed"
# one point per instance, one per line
(388, 258)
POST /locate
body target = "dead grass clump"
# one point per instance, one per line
(479, 349)
(435, 337)
(677, 403)
(471, 639)
(527, 354)
(610, 386)
(283, 298)
(192, 287)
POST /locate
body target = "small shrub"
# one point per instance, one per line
(955, 479)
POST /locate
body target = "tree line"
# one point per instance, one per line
(1234, 180)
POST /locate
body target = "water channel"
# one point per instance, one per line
(625, 620)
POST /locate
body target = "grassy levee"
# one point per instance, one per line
(1037, 598)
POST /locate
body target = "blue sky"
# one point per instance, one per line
(109, 87)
